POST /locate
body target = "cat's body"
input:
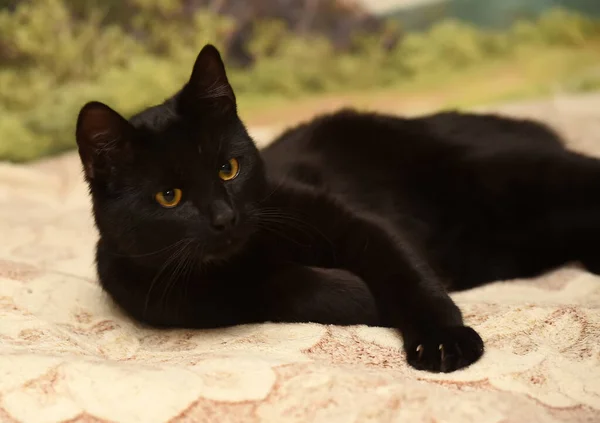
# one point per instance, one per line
(349, 219)
(450, 182)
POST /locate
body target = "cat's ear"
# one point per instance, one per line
(103, 137)
(208, 87)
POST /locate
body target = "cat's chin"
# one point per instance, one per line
(223, 250)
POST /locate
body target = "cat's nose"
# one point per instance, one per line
(222, 216)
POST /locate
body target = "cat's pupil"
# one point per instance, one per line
(226, 167)
(169, 195)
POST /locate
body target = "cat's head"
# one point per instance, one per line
(185, 171)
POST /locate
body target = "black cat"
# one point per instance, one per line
(352, 218)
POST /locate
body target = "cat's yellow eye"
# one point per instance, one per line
(168, 198)
(229, 170)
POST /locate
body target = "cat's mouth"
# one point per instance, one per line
(224, 246)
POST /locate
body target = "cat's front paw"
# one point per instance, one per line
(444, 349)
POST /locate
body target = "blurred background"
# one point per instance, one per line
(287, 59)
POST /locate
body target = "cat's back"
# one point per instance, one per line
(484, 130)
(390, 163)
(371, 161)
(347, 143)
(357, 141)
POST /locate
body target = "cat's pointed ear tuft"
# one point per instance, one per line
(209, 83)
(102, 134)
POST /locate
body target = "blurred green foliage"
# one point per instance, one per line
(55, 55)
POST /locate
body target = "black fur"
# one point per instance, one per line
(352, 218)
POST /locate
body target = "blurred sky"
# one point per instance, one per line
(384, 6)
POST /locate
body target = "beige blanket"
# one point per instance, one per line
(67, 355)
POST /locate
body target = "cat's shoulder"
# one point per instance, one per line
(345, 120)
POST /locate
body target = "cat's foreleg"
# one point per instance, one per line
(407, 293)
(294, 293)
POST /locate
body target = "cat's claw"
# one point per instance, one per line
(445, 349)
(420, 351)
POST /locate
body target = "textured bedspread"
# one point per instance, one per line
(67, 355)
